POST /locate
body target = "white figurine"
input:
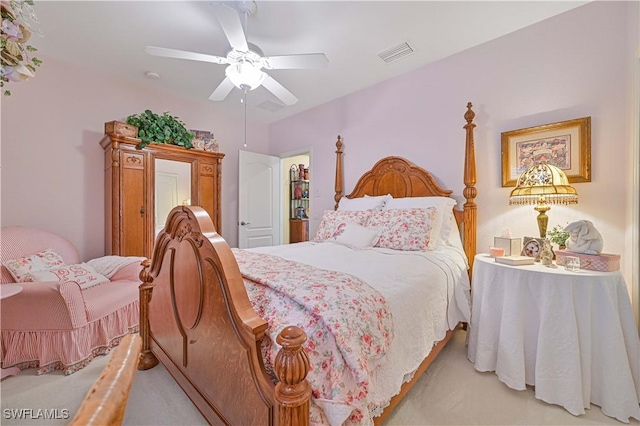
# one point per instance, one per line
(584, 238)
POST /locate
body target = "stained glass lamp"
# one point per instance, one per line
(543, 184)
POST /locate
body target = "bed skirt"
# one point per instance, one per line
(68, 350)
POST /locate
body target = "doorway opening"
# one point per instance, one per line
(296, 196)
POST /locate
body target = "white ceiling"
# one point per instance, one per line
(112, 35)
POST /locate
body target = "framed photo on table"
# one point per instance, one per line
(532, 247)
(566, 145)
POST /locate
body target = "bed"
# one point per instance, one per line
(253, 336)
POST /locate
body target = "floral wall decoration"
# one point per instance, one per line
(18, 64)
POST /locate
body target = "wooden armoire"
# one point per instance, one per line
(130, 187)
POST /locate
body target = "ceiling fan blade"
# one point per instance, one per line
(222, 90)
(303, 61)
(183, 54)
(231, 25)
(279, 90)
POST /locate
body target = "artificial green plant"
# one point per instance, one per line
(165, 128)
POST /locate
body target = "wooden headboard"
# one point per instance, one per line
(401, 178)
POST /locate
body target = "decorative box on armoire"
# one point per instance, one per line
(131, 189)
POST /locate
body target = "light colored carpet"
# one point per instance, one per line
(452, 392)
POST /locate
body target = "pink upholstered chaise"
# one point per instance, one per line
(59, 326)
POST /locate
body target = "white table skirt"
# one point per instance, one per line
(572, 335)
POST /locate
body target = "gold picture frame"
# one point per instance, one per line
(566, 145)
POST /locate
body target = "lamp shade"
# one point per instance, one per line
(543, 184)
(245, 75)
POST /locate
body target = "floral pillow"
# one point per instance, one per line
(334, 221)
(405, 229)
(444, 213)
(21, 268)
(81, 273)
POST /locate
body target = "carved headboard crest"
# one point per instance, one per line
(400, 178)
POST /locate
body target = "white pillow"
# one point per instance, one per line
(453, 239)
(444, 210)
(81, 273)
(363, 203)
(356, 235)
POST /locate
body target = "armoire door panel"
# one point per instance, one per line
(134, 214)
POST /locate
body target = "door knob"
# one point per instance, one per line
(243, 223)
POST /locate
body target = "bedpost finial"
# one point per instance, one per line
(469, 115)
(339, 144)
(291, 363)
(291, 366)
(145, 275)
(291, 336)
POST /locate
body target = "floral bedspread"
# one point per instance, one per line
(349, 325)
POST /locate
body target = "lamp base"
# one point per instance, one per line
(543, 219)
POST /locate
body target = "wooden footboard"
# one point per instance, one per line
(196, 318)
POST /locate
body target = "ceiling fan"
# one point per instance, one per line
(245, 61)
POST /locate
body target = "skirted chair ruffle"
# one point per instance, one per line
(68, 350)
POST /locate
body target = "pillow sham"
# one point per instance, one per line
(363, 203)
(355, 235)
(444, 213)
(334, 220)
(20, 268)
(85, 275)
(405, 229)
(453, 239)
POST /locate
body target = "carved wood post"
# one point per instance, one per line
(470, 192)
(291, 366)
(147, 358)
(338, 183)
(218, 224)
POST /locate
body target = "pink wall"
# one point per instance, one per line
(52, 163)
(577, 64)
(581, 63)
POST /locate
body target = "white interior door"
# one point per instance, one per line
(258, 200)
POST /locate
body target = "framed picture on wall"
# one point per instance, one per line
(566, 145)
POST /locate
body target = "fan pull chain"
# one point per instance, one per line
(244, 101)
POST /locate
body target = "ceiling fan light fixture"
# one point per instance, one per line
(245, 75)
